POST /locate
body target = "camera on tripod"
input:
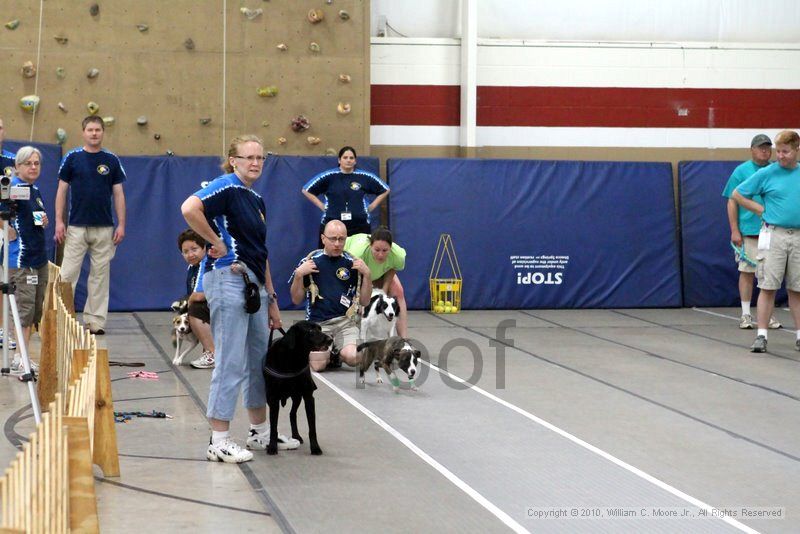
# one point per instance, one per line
(13, 192)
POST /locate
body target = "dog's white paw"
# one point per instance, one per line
(396, 389)
(379, 380)
(414, 388)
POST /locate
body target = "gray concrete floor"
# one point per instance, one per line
(612, 417)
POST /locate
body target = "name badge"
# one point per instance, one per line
(345, 301)
(32, 279)
(346, 216)
(38, 218)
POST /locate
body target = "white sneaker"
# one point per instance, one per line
(18, 369)
(11, 343)
(205, 361)
(774, 324)
(227, 451)
(259, 442)
(746, 322)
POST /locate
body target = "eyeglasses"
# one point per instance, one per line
(32, 163)
(335, 239)
(252, 159)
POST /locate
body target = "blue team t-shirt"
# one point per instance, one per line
(238, 215)
(29, 248)
(336, 281)
(91, 177)
(346, 192)
(7, 164)
(194, 276)
(780, 189)
(749, 222)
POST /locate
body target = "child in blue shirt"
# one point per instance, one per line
(193, 249)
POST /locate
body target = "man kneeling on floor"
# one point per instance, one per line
(328, 280)
(779, 239)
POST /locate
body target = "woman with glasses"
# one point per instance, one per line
(345, 189)
(231, 217)
(27, 251)
(384, 258)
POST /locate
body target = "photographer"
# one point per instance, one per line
(27, 254)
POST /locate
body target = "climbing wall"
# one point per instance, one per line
(162, 71)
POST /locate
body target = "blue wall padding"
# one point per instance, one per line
(615, 221)
(710, 276)
(148, 272)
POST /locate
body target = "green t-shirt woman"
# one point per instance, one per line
(384, 259)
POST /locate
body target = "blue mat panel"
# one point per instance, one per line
(540, 234)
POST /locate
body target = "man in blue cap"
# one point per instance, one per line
(745, 225)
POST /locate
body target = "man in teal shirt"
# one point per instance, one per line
(778, 184)
(745, 225)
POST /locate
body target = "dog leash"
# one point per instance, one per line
(124, 417)
(144, 375)
(273, 372)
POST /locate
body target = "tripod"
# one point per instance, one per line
(8, 210)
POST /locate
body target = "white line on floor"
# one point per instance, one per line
(715, 314)
(588, 446)
(460, 484)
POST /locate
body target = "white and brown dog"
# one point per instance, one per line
(183, 339)
(379, 319)
(390, 354)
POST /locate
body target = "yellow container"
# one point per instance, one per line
(445, 292)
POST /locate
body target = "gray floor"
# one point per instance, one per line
(579, 421)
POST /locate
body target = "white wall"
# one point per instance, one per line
(727, 21)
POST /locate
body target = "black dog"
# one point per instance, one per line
(287, 375)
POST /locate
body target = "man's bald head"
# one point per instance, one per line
(333, 238)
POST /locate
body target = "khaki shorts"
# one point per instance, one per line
(751, 250)
(30, 297)
(781, 261)
(343, 330)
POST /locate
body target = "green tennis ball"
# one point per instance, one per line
(448, 303)
(448, 309)
(438, 309)
(440, 303)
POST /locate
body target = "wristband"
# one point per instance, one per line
(272, 298)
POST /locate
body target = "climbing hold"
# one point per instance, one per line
(141, 120)
(93, 73)
(12, 24)
(62, 107)
(94, 10)
(188, 44)
(344, 15)
(300, 123)
(29, 103)
(314, 47)
(343, 108)
(265, 124)
(109, 121)
(170, 153)
(313, 140)
(344, 78)
(142, 27)
(60, 39)
(61, 136)
(250, 14)
(93, 108)
(281, 140)
(282, 47)
(330, 151)
(315, 16)
(157, 137)
(28, 69)
(329, 2)
(269, 90)
(205, 120)
(60, 72)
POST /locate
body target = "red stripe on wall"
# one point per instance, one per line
(416, 105)
(589, 107)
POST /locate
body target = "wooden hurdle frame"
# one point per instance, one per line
(49, 487)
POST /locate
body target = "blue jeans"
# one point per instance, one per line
(241, 341)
